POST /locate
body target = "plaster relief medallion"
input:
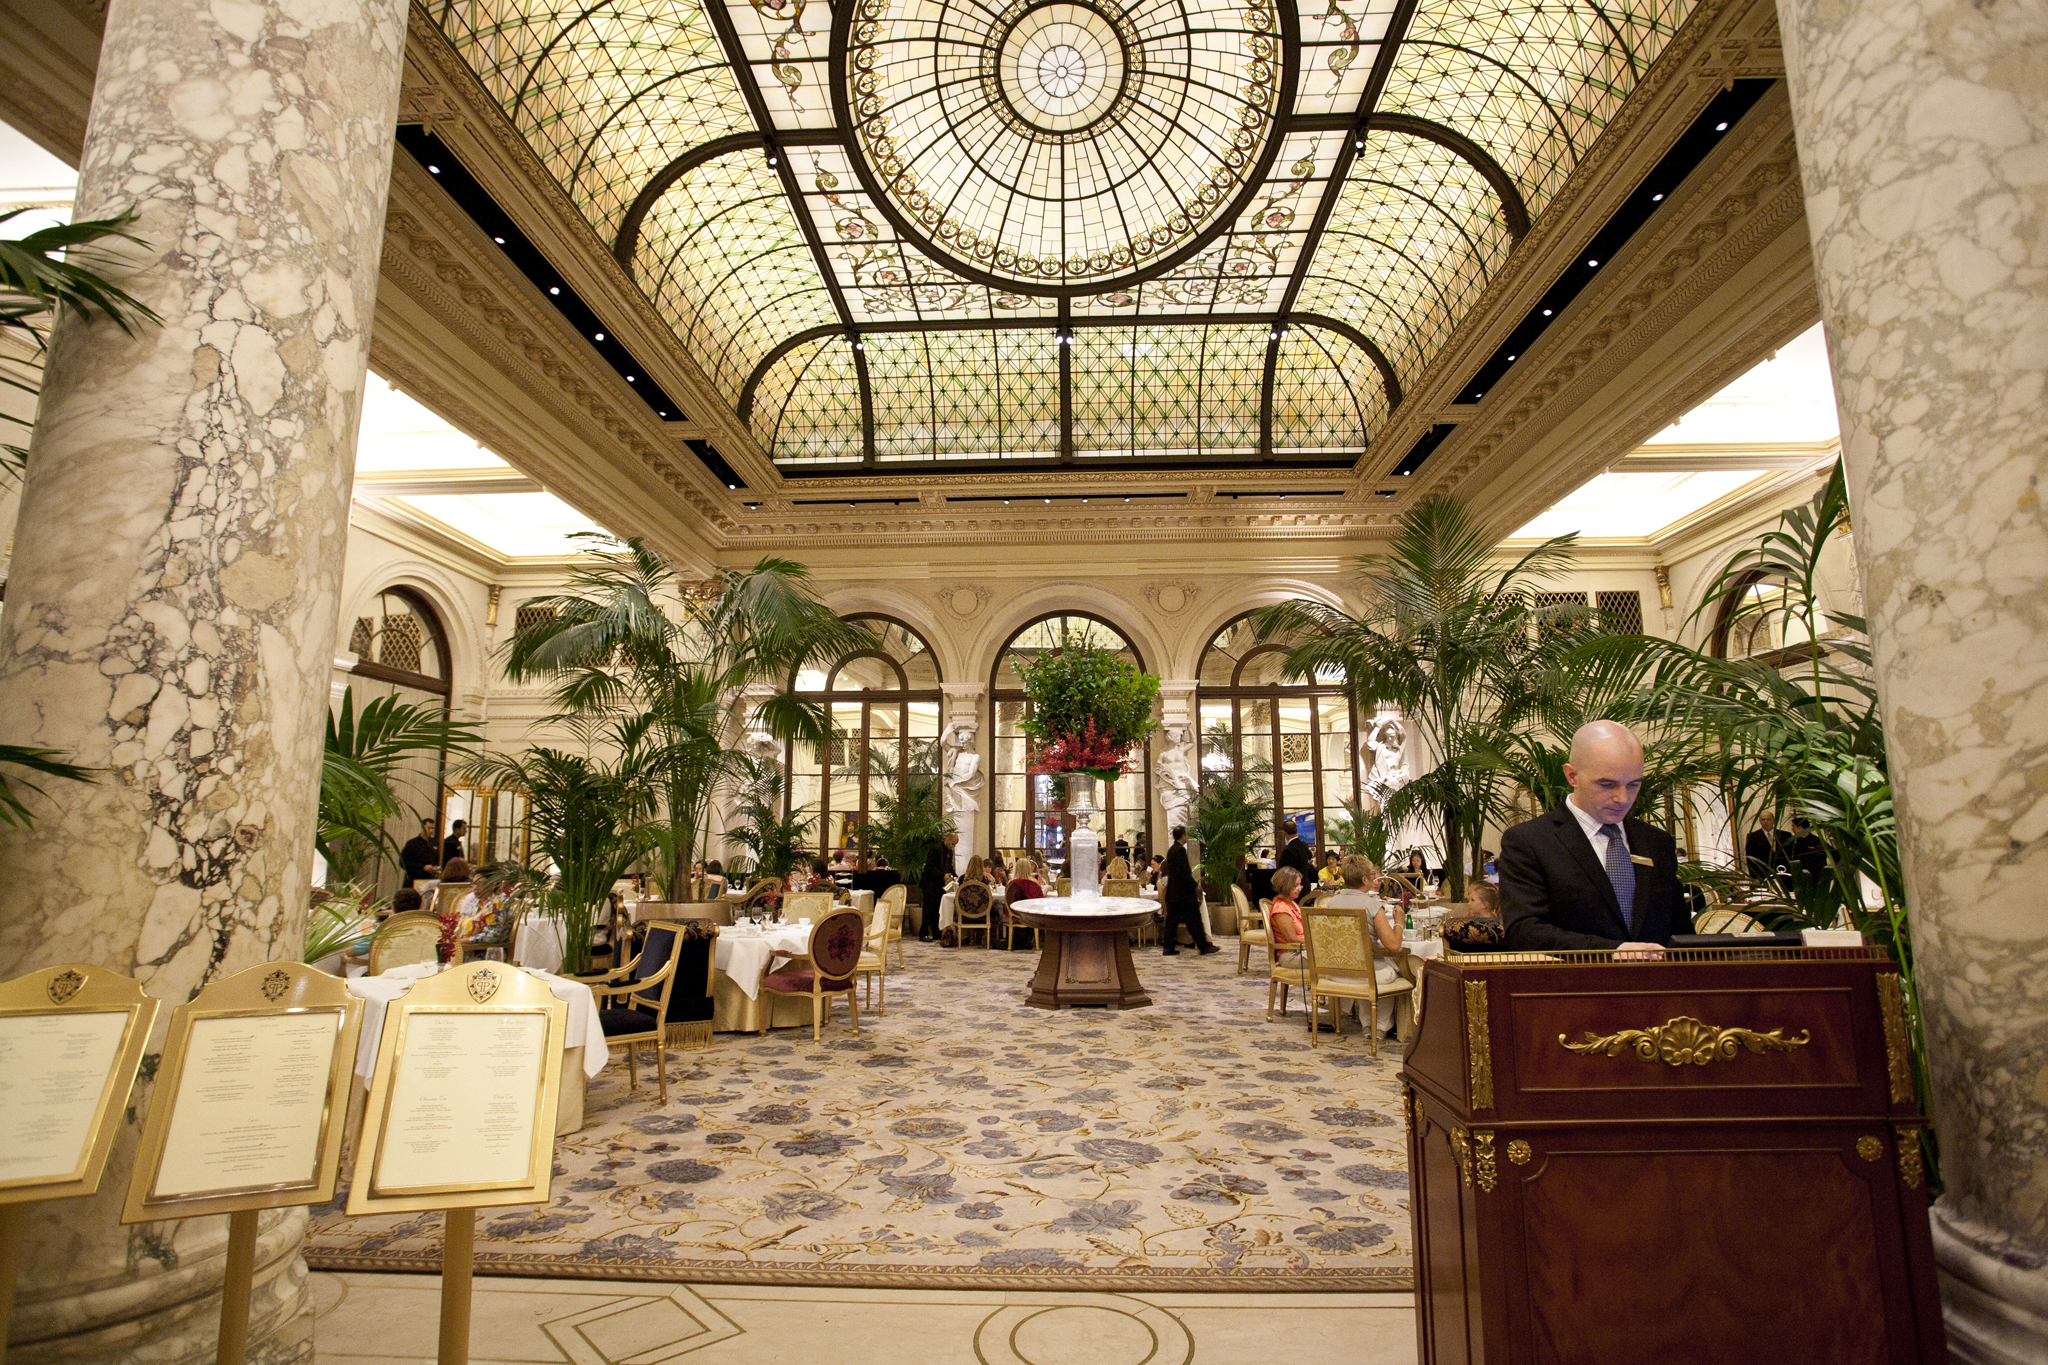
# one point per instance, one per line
(965, 601)
(1172, 597)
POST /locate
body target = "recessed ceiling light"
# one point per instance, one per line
(1048, 502)
(732, 485)
(1592, 263)
(1656, 198)
(1720, 127)
(600, 336)
(499, 240)
(436, 170)
(629, 378)
(1546, 312)
(1510, 357)
(554, 289)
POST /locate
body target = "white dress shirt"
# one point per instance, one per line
(1593, 834)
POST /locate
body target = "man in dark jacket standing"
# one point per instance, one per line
(417, 857)
(931, 887)
(1585, 875)
(1296, 853)
(1183, 898)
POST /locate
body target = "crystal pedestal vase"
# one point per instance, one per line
(1084, 845)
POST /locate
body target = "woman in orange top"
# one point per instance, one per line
(1285, 912)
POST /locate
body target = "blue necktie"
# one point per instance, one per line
(1622, 873)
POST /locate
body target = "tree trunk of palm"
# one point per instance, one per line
(1454, 854)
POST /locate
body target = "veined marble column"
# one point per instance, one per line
(1923, 141)
(175, 578)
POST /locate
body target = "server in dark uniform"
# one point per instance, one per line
(417, 857)
(1585, 875)
(1296, 853)
(1183, 897)
(1768, 848)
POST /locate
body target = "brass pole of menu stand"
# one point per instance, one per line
(237, 1284)
(458, 1259)
(13, 1219)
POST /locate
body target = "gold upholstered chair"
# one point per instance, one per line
(827, 969)
(1279, 978)
(1249, 935)
(971, 906)
(874, 959)
(1120, 886)
(1063, 886)
(810, 905)
(408, 937)
(889, 909)
(1340, 968)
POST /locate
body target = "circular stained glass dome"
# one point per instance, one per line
(1067, 144)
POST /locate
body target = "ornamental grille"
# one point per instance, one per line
(1621, 613)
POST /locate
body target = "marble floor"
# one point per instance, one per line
(367, 1319)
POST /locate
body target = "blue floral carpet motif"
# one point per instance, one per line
(966, 1140)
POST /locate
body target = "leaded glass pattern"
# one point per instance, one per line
(787, 46)
(1058, 143)
(1159, 392)
(1533, 83)
(607, 94)
(816, 419)
(725, 262)
(1340, 41)
(1413, 240)
(1327, 394)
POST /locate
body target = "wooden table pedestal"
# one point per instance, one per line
(1085, 958)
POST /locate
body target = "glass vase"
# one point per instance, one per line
(1084, 845)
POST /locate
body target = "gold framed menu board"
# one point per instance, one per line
(462, 1104)
(251, 1097)
(71, 1038)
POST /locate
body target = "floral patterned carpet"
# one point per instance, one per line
(966, 1140)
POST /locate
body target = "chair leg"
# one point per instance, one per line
(1244, 955)
(817, 1015)
(853, 1008)
(661, 1063)
(632, 1067)
(884, 1007)
(1315, 1036)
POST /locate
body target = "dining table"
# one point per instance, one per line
(1085, 956)
(745, 954)
(584, 1051)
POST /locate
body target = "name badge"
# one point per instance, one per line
(1641, 861)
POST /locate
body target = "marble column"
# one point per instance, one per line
(1923, 143)
(172, 597)
(960, 767)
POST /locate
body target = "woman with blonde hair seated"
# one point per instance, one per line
(977, 871)
(1118, 868)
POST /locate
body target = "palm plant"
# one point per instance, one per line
(367, 758)
(1231, 815)
(1442, 635)
(1361, 831)
(587, 820)
(773, 841)
(41, 274)
(629, 638)
(910, 815)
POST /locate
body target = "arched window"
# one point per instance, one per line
(1024, 818)
(1300, 737)
(884, 705)
(401, 651)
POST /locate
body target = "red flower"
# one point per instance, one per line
(1087, 752)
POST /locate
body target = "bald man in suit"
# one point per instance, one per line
(1585, 875)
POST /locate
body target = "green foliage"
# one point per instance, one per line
(42, 762)
(1077, 683)
(340, 915)
(586, 818)
(1451, 638)
(48, 271)
(774, 842)
(629, 638)
(1361, 831)
(367, 758)
(907, 827)
(1231, 814)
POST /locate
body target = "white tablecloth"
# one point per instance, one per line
(538, 944)
(746, 957)
(378, 992)
(946, 905)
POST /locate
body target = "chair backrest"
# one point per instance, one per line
(1117, 868)
(1273, 945)
(1120, 886)
(893, 901)
(1244, 907)
(1063, 886)
(835, 946)
(811, 905)
(407, 937)
(448, 897)
(664, 945)
(971, 903)
(696, 962)
(1337, 945)
(761, 890)
(1723, 920)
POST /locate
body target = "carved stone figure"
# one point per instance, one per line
(1387, 742)
(1177, 782)
(960, 763)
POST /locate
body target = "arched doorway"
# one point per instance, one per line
(1022, 817)
(884, 704)
(401, 650)
(1302, 738)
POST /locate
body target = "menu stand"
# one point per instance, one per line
(252, 1100)
(461, 1113)
(71, 1038)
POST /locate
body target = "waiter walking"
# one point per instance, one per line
(1183, 898)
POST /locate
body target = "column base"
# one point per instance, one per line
(1994, 1300)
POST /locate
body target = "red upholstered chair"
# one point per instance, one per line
(827, 970)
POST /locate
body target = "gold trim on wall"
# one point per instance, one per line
(1898, 1062)
(1484, 1172)
(1478, 1044)
(1683, 1041)
(1912, 1166)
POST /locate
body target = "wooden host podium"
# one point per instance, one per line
(1712, 1158)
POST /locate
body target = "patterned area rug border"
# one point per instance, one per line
(1136, 1281)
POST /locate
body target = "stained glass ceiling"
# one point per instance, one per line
(959, 234)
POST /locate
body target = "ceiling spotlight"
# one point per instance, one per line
(732, 485)
(499, 240)
(1546, 312)
(1720, 127)
(1656, 198)
(436, 170)
(629, 379)
(554, 289)
(1048, 502)
(1006, 502)
(1510, 357)
(664, 414)
(600, 336)
(1126, 499)
(1592, 263)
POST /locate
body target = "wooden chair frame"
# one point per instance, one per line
(874, 959)
(820, 999)
(392, 930)
(798, 904)
(1335, 983)
(965, 919)
(635, 994)
(1279, 978)
(892, 905)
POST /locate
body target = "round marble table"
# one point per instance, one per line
(1085, 953)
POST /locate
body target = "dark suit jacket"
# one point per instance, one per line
(1554, 894)
(1181, 886)
(1299, 856)
(1766, 853)
(931, 881)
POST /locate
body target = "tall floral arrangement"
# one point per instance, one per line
(1089, 710)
